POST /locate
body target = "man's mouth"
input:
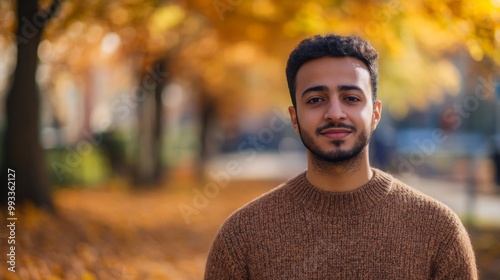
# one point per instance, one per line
(336, 133)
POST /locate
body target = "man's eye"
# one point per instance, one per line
(352, 99)
(314, 100)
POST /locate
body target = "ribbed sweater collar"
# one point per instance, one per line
(353, 202)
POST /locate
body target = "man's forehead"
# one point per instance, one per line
(355, 62)
(330, 68)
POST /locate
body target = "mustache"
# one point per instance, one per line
(335, 125)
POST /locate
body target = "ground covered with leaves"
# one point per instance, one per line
(116, 233)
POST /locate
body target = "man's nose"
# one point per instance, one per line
(335, 111)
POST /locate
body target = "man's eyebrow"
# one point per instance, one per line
(315, 88)
(325, 88)
(349, 87)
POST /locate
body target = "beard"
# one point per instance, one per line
(347, 158)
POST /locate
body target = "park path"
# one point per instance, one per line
(280, 166)
(484, 207)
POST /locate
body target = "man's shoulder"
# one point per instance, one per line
(264, 203)
(407, 198)
(260, 209)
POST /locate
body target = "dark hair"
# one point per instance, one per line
(334, 46)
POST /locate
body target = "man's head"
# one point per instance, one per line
(333, 46)
(332, 82)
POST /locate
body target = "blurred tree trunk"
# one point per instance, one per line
(149, 168)
(22, 150)
(207, 113)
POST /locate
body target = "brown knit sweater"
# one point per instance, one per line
(382, 230)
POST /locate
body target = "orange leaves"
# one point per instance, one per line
(116, 234)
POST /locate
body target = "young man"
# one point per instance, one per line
(340, 219)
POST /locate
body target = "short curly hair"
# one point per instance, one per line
(334, 46)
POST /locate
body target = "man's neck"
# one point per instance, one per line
(339, 177)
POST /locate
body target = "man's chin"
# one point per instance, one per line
(337, 145)
(337, 154)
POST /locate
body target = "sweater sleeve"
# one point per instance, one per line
(226, 257)
(455, 258)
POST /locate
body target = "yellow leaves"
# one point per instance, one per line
(422, 26)
(497, 36)
(94, 33)
(86, 253)
(119, 16)
(165, 18)
(463, 26)
(413, 33)
(88, 276)
(290, 30)
(160, 35)
(256, 31)
(310, 18)
(414, 81)
(264, 9)
(242, 53)
(208, 45)
(476, 25)
(475, 50)
(32, 216)
(480, 8)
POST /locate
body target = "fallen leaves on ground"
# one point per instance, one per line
(110, 234)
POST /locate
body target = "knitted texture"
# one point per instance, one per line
(382, 230)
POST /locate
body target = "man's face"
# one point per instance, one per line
(335, 114)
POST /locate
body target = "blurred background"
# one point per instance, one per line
(135, 127)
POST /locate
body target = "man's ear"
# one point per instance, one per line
(293, 119)
(377, 113)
